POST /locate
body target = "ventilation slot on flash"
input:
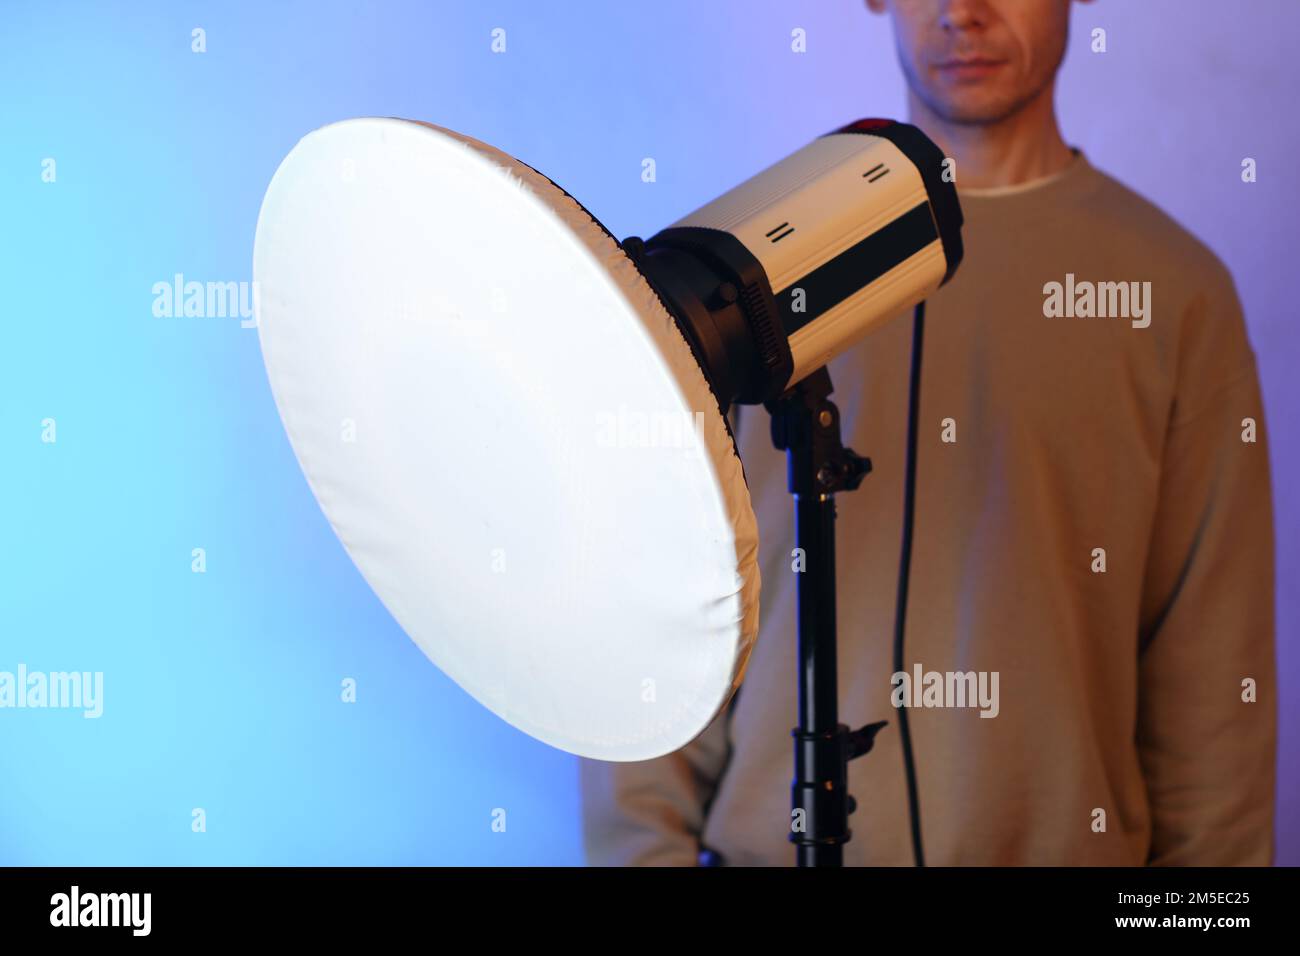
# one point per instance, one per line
(778, 229)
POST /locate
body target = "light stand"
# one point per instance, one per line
(806, 426)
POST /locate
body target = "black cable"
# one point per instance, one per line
(904, 573)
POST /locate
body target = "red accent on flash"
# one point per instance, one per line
(866, 125)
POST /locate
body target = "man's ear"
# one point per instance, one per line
(876, 6)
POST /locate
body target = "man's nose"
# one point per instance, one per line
(963, 14)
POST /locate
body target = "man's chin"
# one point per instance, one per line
(974, 109)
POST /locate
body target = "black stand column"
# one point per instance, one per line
(806, 426)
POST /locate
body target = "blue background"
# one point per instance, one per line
(222, 689)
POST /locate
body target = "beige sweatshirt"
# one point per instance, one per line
(1136, 705)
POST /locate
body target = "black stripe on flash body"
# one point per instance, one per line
(857, 266)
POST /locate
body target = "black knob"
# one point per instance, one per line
(634, 246)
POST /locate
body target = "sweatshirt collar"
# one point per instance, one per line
(1072, 170)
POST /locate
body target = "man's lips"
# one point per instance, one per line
(975, 68)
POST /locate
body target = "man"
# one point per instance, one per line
(1093, 530)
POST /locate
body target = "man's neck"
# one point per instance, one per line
(1021, 148)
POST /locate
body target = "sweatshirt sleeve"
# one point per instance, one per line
(651, 812)
(1207, 705)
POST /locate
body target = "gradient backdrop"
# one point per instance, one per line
(222, 688)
